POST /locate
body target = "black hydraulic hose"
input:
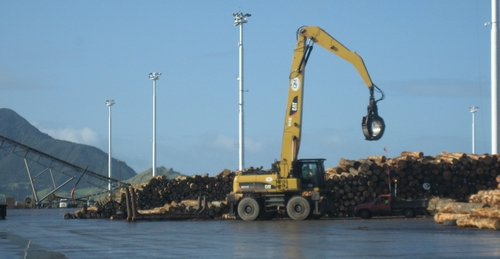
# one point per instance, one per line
(380, 91)
(305, 58)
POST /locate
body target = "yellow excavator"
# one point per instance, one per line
(294, 187)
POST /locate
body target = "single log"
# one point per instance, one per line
(365, 166)
(492, 213)
(441, 217)
(353, 171)
(343, 161)
(482, 223)
(412, 154)
(456, 155)
(381, 159)
(461, 207)
(402, 164)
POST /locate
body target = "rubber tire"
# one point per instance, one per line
(365, 214)
(409, 213)
(248, 209)
(298, 208)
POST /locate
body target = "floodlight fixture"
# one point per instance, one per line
(240, 18)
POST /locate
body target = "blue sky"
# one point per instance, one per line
(60, 61)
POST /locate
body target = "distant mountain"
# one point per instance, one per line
(14, 181)
(145, 176)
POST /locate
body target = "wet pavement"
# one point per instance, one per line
(45, 234)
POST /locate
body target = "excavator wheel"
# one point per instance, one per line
(298, 208)
(248, 209)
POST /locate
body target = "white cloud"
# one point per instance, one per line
(83, 136)
(224, 142)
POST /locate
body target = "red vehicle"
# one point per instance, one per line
(387, 205)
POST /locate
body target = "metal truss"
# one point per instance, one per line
(52, 165)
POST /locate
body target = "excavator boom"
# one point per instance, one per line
(307, 36)
(322, 38)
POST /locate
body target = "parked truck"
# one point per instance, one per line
(388, 204)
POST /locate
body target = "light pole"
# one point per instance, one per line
(495, 130)
(154, 76)
(239, 20)
(473, 110)
(109, 103)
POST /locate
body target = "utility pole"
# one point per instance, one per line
(239, 20)
(154, 76)
(473, 110)
(494, 76)
(109, 103)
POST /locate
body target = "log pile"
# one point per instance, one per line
(160, 191)
(455, 176)
(482, 211)
(110, 208)
(452, 210)
(163, 196)
(415, 176)
(491, 197)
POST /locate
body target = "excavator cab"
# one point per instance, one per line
(311, 172)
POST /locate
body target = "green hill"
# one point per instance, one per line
(14, 181)
(145, 176)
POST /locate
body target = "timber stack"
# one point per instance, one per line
(412, 175)
(454, 176)
(482, 211)
(160, 191)
(161, 196)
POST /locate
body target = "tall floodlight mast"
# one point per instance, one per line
(239, 20)
(109, 103)
(494, 76)
(154, 76)
(473, 110)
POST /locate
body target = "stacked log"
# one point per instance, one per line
(483, 211)
(455, 176)
(160, 191)
(160, 195)
(110, 208)
(481, 223)
(451, 211)
(440, 217)
(487, 217)
(489, 197)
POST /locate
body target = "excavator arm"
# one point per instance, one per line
(372, 124)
